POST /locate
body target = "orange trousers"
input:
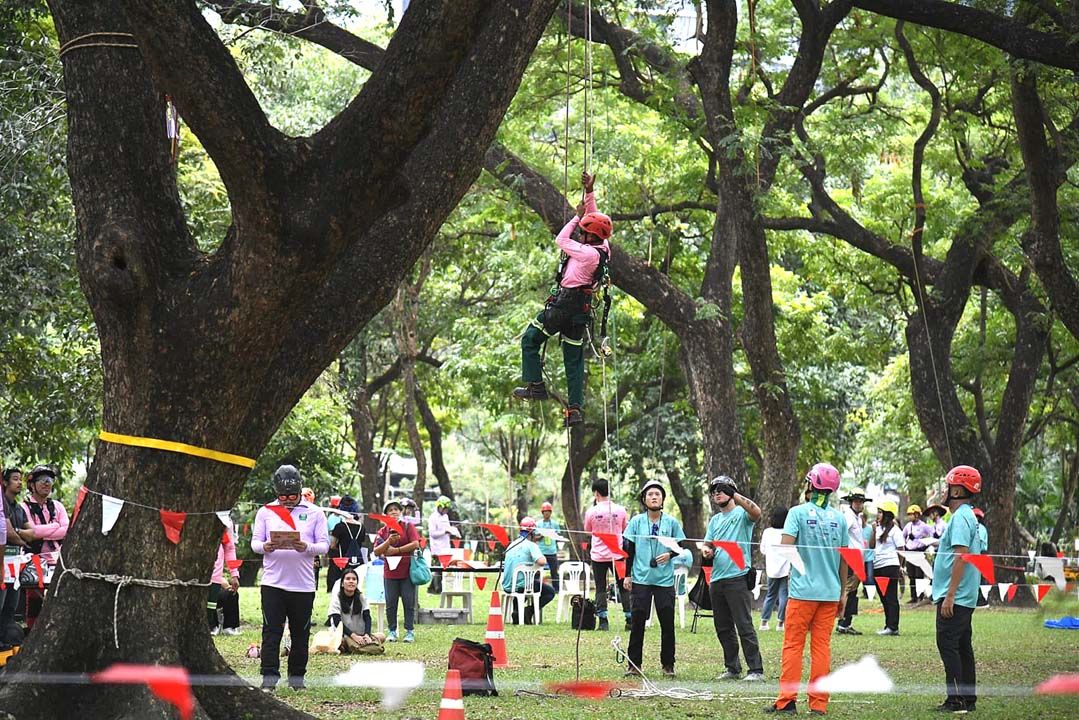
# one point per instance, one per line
(806, 617)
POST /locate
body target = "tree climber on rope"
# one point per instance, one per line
(568, 310)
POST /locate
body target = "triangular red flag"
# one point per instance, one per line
(247, 529)
(389, 522)
(171, 684)
(498, 531)
(282, 512)
(882, 585)
(234, 565)
(340, 562)
(445, 560)
(610, 540)
(225, 539)
(620, 569)
(1043, 590)
(707, 570)
(173, 523)
(491, 545)
(984, 563)
(78, 504)
(1061, 556)
(41, 572)
(423, 543)
(584, 545)
(734, 550)
(480, 581)
(1011, 592)
(456, 542)
(855, 561)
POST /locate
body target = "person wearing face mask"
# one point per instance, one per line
(650, 575)
(730, 589)
(288, 574)
(955, 590)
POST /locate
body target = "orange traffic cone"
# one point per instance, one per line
(496, 632)
(452, 706)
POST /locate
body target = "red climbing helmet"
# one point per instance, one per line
(823, 476)
(966, 476)
(596, 223)
(528, 524)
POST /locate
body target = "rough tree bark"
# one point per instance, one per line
(406, 310)
(354, 382)
(214, 349)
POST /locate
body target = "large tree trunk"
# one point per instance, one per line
(214, 350)
(354, 379)
(576, 499)
(405, 307)
(434, 437)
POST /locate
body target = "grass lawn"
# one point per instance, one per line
(1014, 652)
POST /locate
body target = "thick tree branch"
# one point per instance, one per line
(1008, 34)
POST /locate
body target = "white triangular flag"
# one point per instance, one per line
(110, 510)
(550, 533)
(669, 543)
(1030, 554)
(371, 537)
(1002, 588)
(917, 558)
(790, 553)
(870, 591)
(393, 561)
(923, 587)
(985, 591)
(864, 676)
(473, 546)
(226, 520)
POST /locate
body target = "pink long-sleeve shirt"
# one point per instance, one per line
(54, 529)
(287, 569)
(225, 552)
(583, 259)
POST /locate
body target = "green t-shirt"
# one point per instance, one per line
(642, 532)
(734, 526)
(962, 531)
(818, 532)
(521, 552)
(548, 546)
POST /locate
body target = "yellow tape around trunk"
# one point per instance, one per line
(177, 447)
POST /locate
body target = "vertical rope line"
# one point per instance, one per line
(933, 360)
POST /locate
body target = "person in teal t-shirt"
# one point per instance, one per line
(816, 592)
(547, 545)
(730, 589)
(955, 590)
(525, 551)
(650, 574)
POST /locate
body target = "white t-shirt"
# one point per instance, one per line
(886, 555)
(775, 566)
(854, 528)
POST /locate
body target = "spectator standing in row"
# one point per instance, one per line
(917, 537)
(48, 518)
(935, 518)
(547, 544)
(392, 545)
(346, 541)
(777, 568)
(19, 537)
(852, 514)
(886, 541)
(288, 577)
(730, 589)
(440, 531)
(605, 517)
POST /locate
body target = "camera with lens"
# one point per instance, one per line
(652, 563)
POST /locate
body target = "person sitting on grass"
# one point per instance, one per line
(348, 608)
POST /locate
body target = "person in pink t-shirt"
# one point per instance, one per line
(605, 517)
(223, 602)
(585, 252)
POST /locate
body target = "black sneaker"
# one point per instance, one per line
(531, 391)
(629, 624)
(573, 415)
(269, 683)
(949, 706)
(788, 709)
(604, 624)
(668, 670)
(296, 684)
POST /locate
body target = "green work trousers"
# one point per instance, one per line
(571, 325)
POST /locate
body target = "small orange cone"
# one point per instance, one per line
(452, 706)
(496, 632)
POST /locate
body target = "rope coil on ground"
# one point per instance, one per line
(120, 581)
(648, 688)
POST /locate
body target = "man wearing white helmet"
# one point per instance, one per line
(650, 574)
(440, 530)
(523, 551)
(816, 594)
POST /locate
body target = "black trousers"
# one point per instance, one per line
(956, 648)
(732, 616)
(277, 606)
(599, 573)
(914, 573)
(643, 595)
(890, 599)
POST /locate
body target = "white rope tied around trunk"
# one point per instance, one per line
(120, 581)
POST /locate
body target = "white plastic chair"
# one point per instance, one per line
(527, 576)
(457, 585)
(574, 578)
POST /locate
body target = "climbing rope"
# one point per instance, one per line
(648, 688)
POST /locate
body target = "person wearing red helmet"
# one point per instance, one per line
(955, 590)
(547, 545)
(585, 252)
(525, 551)
(815, 596)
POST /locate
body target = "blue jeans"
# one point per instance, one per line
(777, 595)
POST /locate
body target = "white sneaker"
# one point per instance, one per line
(215, 631)
(779, 627)
(764, 626)
(231, 631)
